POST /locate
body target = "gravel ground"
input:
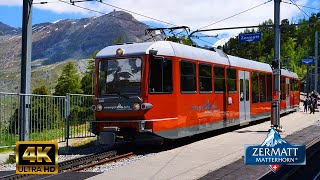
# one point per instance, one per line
(113, 165)
(72, 152)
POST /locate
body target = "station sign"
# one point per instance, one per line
(307, 61)
(275, 152)
(250, 37)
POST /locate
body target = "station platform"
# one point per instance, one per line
(201, 158)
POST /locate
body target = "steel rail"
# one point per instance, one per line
(76, 163)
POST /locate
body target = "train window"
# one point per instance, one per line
(119, 76)
(232, 76)
(269, 87)
(188, 76)
(205, 78)
(219, 79)
(283, 88)
(262, 80)
(241, 90)
(160, 75)
(255, 91)
(247, 90)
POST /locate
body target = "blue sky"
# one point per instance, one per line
(194, 15)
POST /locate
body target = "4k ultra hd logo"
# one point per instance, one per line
(275, 152)
(36, 157)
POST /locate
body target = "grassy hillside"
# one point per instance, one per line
(41, 75)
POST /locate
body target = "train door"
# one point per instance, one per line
(287, 93)
(244, 96)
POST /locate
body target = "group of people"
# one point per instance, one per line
(310, 103)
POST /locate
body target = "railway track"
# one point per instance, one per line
(77, 164)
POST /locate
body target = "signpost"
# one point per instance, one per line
(250, 37)
(307, 61)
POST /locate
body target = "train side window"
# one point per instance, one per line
(188, 77)
(262, 87)
(219, 77)
(247, 90)
(283, 88)
(160, 75)
(269, 87)
(232, 79)
(241, 90)
(255, 91)
(205, 78)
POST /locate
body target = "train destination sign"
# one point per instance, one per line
(250, 37)
(307, 61)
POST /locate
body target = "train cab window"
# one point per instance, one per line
(188, 77)
(219, 77)
(255, 88)
(160, 75)
(262, 80)
(205, 78)
(232, 76)
(269, 87)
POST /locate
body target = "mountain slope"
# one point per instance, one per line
(70, 38)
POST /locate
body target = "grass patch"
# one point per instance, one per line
(85, 143)
(7, 150)
(57, 134)
(11, 159)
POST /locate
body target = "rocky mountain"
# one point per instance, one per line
(70, 38)
(7, 30)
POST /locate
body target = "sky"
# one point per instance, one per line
(202, 14)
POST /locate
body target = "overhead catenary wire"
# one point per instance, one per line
(235, 14)
(92, 10)
(102, 13)
(300, 8)
(139, 14)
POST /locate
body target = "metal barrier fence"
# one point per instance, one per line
(52, 118)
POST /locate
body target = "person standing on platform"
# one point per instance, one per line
(305, 105)
(310, 104)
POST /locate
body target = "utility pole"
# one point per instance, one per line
(316, 62)
(25, 70)
(275, 107)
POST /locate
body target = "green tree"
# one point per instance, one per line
(119, 40)
(69, 81)
(182, 40)
(86, 83)
(41, 90)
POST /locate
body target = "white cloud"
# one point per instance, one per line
(191, 13)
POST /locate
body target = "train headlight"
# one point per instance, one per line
(145, 106)
(94, 107)
(136, 106)
(119, 52)
(99, 107)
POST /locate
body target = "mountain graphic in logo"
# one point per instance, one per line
(275, 152)
(273, 139)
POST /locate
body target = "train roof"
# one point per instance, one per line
(168, 48)
(288, 73)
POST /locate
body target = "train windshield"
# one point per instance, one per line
(120, 77)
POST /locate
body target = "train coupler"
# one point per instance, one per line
(108, 135)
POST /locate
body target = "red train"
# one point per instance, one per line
(162, 89)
